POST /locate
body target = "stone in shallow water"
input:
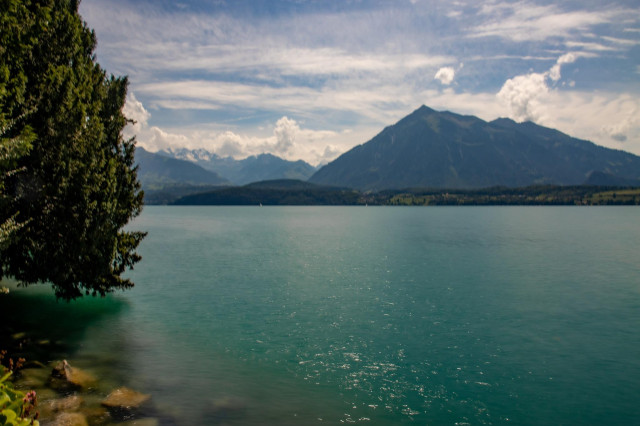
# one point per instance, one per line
(64, 377)
(125, 398)
(48, 408)
(124, 403)
(70, 419)
(68, 404)
(96, 415)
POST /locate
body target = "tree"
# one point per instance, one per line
(77, 186)
(11, 149)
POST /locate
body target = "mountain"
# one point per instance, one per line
(156, 171)
(432, 149)
(251, 169)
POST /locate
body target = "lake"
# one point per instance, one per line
(372, 315)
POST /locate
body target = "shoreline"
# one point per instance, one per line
(70, 390)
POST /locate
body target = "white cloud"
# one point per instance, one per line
(285, 132)
(329, 154)
(590, 46)
(349, 96)
(568, 58)
(554, 72)
(154, 138)
(287, 139)
(134, 110)
(523, 21)
(445, 75)
(524, 94)
(621, 41)
(139, 41)
(230, 145)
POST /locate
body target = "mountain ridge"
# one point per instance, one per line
(155, 170)
(241, 172)
(433, 149)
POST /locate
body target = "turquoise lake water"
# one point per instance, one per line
(374, 315)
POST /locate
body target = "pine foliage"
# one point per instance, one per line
(76, 187)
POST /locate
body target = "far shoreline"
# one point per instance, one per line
(299, 193)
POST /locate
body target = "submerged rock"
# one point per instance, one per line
(125, 398)
(70, 419)
(50, 408)
(123, 403)
(96, 415)
(65, 377)
(70, 403)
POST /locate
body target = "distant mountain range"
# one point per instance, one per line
(242, 172)
(166, 178)
(157, 171)
(431, 149)
(427, 150)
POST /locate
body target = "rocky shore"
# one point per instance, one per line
(95, 385)
(70, 396)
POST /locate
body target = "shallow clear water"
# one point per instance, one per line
(298, 315)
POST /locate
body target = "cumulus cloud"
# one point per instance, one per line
(445, 75)
(554, 72)
(230, 145)
(158, 139)
(285, 132)
(134, 110)
(287, 139)
(524, 94)
(329, 154)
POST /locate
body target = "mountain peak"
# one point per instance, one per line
(436, 149)
(424, 110)
(504, 121)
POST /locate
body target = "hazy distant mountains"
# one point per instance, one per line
(432, 149)
(156, 171)
(166, 178)
(251, 169)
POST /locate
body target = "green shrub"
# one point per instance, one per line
(16, 408)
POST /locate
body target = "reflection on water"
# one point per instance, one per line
(36, 315)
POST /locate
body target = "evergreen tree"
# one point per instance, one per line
(77, 186)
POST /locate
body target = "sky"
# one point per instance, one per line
(310, 79)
